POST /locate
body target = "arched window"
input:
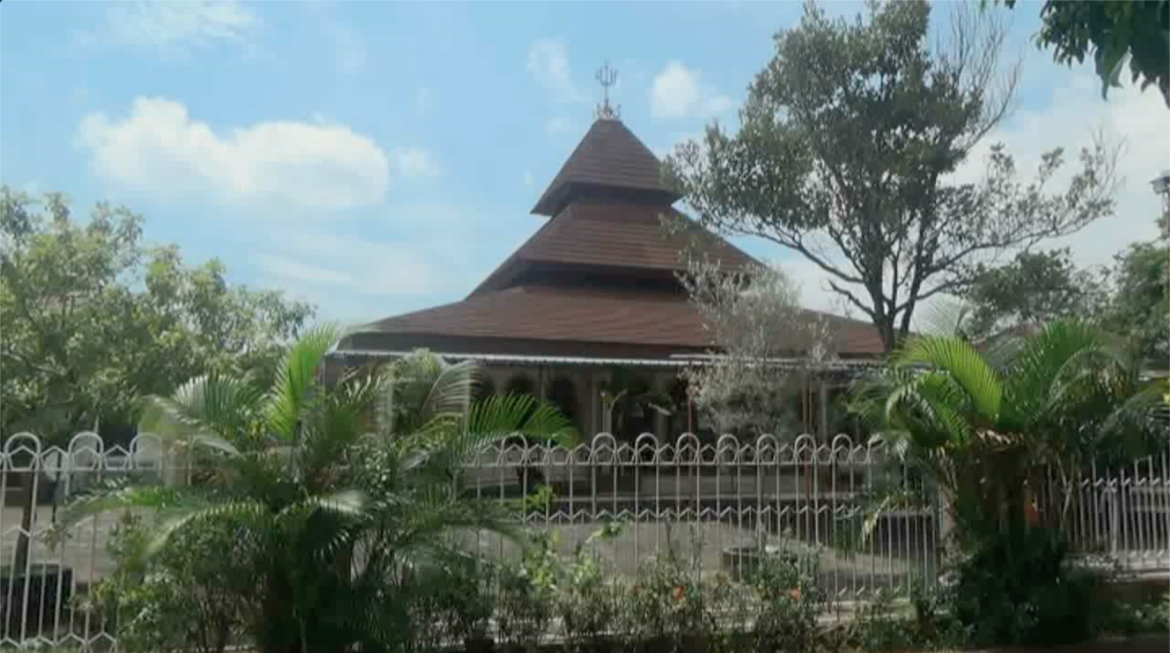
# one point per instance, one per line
(520, 384)
(486, 388)
(563, 394)
(680, 420)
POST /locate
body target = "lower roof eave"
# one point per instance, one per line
(675, 360)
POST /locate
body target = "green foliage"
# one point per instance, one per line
(93, 319)
(347, 532)
(790, 603)
(1112, 33)
(987, 434)
(985, 431)
(193, 594)
(1021, 589)
(665, 606)
(1140, 308)
(1034, 288)
(1140, 617)
(849, 135)
(885, 625)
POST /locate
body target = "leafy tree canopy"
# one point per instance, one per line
(848, 140)
(1112, 33)
(1034, 288)
(1140, 307)
(92, 318)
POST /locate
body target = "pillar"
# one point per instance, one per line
(822, 408)
(660, 420)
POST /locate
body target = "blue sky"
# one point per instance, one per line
(375, 157)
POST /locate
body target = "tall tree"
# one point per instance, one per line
(1140, 307)
(848, 140)
(92, 318)
(1112, 33)
(1034, 288)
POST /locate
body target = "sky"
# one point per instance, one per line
(375, 158)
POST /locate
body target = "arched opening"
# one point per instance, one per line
(633, 412)
(520, 384)
(485, 388)
(562, 392)
(528, 476)
(680, 420)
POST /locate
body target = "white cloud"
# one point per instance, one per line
(678, 92)
(175, 28)
(413, 264)
(413, 162)
(159, 148)
(527, 179)
(297, 271)
(548, 63)
(1070, 119)
(420, 101)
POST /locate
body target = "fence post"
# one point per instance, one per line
(1114, 520)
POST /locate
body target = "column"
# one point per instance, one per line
(660, 419)
(823, 408)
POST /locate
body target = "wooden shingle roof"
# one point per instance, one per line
(597, 277)
(609, 156)
(593, 316)
(614, 235)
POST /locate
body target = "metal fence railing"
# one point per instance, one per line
(720, 503)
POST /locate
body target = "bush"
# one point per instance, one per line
(189, 594)
(526, 597)
(789, 603)
(665, 604)
(1022, 590)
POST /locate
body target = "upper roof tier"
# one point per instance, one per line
(609, 157)
(613, 235)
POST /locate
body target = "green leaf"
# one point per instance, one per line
(285, 404)
(961, 362)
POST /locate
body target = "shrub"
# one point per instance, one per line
(665, 604)
(588, 604)
(789, 603)
(189, 595)
(1022, 590)
(526, 597)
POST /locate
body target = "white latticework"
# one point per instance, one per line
(718, 503)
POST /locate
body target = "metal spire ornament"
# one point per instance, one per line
(607, 77)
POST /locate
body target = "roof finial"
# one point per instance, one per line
(607, 77)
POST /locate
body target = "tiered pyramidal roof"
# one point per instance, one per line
(598, 279)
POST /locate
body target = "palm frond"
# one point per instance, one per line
(959, 360)
(212, 410)
(247, 513)
(1042, 362)
(351, 503)
(500, 416)
(119, 496)
(286, 401)
(329, 432)
(422, 387)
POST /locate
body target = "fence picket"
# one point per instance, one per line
(724, 501)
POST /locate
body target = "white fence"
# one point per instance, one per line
(719, 503)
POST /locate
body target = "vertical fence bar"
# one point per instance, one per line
(758, 494)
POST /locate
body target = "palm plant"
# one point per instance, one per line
(341, 496)
(985, 428)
